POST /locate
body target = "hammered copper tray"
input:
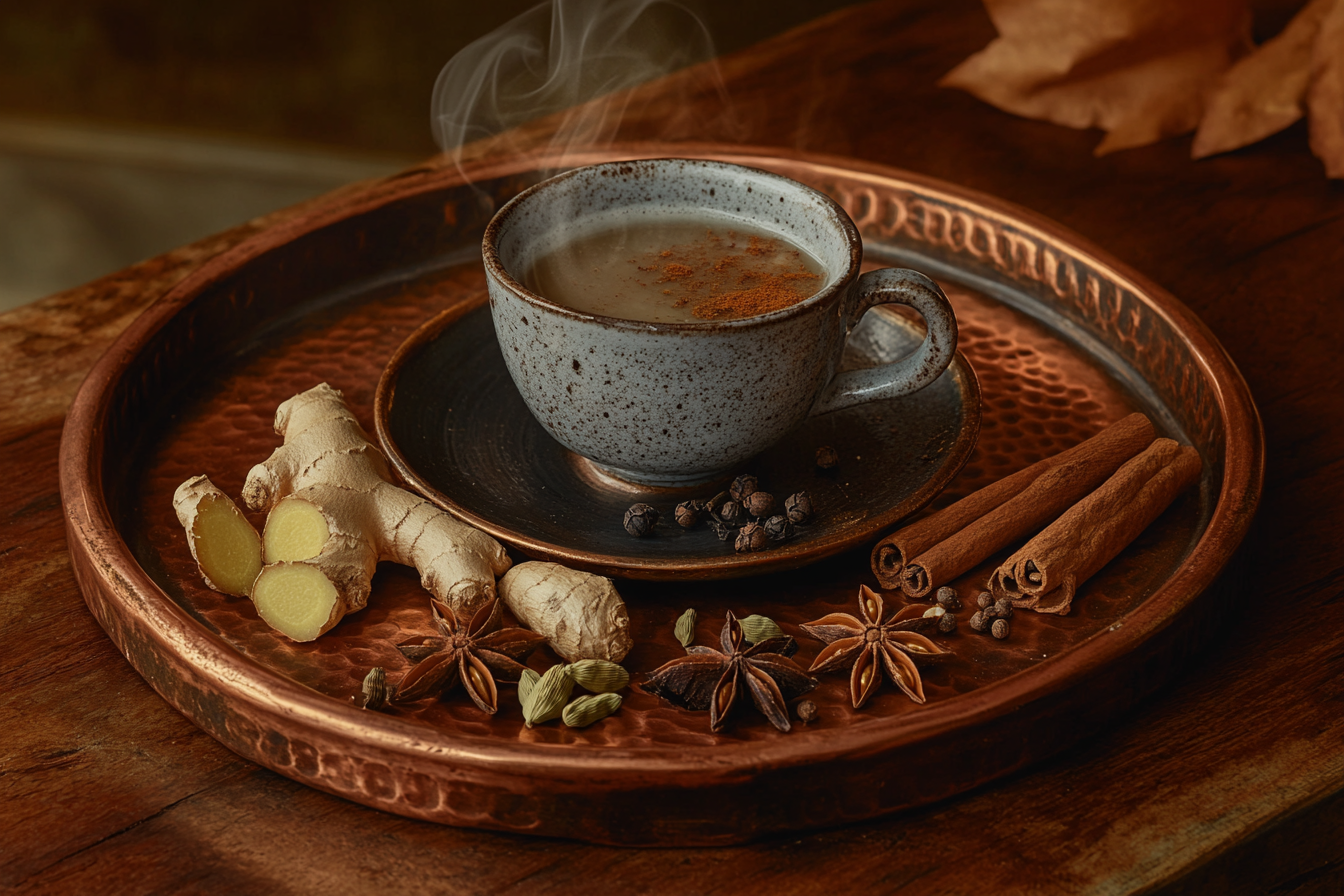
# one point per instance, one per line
(1063, 339)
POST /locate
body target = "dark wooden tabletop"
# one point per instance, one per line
(1230, 780)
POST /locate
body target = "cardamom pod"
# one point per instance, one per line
(374, 693)
(548, 696)
(759, 628)
(685, 628)
(589, 708)
(599, 676)
(528, 681)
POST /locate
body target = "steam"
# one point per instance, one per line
(578, 59)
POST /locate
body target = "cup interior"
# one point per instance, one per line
(547, 215)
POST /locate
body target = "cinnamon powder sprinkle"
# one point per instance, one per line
(675, 272)
(722, 280)
(775, 291)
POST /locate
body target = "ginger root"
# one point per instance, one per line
(223, 543)
(580, 613)
(334, 513)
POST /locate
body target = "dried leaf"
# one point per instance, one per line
(1264, 92)
(1325, 96)
(1138, 69)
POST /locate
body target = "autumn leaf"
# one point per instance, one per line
(1325, 95)
(1138, 69)
(1266, 91)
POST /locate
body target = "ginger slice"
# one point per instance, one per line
(223, 543)
(297, 600)
(328, 467)
(295, 530)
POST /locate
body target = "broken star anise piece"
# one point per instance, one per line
(717, 681)
(476, 655)
(870, 644)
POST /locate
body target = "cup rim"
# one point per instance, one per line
(839, 285)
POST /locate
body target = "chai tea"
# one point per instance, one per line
(676, 270)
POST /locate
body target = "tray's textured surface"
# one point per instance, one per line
(1063, 341)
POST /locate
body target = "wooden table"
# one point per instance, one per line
(1230, 781)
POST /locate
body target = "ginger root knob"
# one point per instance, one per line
(334, 509)
(580, 613)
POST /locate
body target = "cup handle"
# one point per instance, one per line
(916, 370)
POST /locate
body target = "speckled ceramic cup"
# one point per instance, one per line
(671, 404)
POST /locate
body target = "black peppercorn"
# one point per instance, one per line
(778, 528)
(688, 513)
(1003, 609)
(807, 712)
(947, 623)
(640, 520)
(978, 621)
(947, 597)
(827, 457)
(742, 486)
(732, 513)
(798, 507)
(759, 504)
(983, 599)
(1000, 629)
(751, 538)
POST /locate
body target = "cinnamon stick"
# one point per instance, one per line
(1046, 573)
(1065, 479)
(896, 550)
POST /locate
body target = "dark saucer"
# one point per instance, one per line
(456, 429)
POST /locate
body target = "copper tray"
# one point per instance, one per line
(1063, 339)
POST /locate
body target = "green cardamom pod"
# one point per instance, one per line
(589, 708)
(599, 676)
(374, 692)
(760, 628)
(548, 696)
(685, 628)
(528, 681)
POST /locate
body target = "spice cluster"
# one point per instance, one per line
(744, 514)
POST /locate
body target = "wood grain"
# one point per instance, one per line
(1229, 782)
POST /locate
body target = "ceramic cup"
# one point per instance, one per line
(674, 404)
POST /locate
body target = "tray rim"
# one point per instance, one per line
(723, 566)
(148, 626)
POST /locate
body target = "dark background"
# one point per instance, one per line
(341, 73)
(129, 128)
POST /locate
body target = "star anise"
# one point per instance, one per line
(709, 679)
(476, 655)
(871, 644)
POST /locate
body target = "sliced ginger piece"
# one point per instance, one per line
(334, 509)
(295, 530)
(223, 543)
(296, 599)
